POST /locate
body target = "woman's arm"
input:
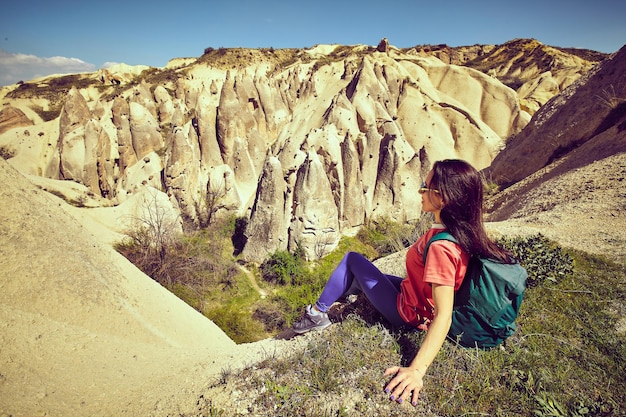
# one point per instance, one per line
(410, 379)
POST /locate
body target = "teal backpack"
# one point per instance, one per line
(488, 301)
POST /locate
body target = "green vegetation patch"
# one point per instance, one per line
(566, 359)
(341, 378)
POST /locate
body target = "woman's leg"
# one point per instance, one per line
(355, 270)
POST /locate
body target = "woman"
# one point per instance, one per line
(453, 192)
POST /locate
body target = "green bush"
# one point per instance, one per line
(543, 259)
(285, 268)
(272, 315)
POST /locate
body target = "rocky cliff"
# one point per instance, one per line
(535, 71)
(588, 118)
(305, 144)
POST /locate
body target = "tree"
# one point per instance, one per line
(154, 227)
(211, 201)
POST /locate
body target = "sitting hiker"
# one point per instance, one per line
(453, 192)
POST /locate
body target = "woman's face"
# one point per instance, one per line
(431, 198)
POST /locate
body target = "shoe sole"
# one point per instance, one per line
(301, 331)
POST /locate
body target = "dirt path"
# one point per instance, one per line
(253, 281)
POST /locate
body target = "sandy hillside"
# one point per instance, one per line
(84, 333)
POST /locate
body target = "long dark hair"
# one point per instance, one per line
(461, 187)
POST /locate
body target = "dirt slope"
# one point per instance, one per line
(83, 332)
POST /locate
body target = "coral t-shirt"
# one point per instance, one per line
(446, 264)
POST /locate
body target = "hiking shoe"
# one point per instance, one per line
(311, 321)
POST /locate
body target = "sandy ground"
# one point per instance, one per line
(83, 332)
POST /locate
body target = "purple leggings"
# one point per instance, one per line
(356, 273)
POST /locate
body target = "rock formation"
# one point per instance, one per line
(305, 144)
(590, 114)
(11, 117)
(535, 71)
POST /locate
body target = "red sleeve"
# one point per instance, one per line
(446, 264)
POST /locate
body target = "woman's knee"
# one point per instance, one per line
(355, 257)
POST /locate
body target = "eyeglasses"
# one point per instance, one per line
(424, 189)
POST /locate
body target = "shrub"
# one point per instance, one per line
(6, 152)
(235, 322)
(612, 98)
(47, 115)
(152, 232)
(212, 200)
(238, 236)
(171, 265)
(284, 267)
(543, 259)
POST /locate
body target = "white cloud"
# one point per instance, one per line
(21, 67)
(110, 64)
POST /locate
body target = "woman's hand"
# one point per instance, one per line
(406, 383)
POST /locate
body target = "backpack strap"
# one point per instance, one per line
(461, 295)
(439, 236)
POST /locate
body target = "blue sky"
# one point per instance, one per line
(41, 37)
